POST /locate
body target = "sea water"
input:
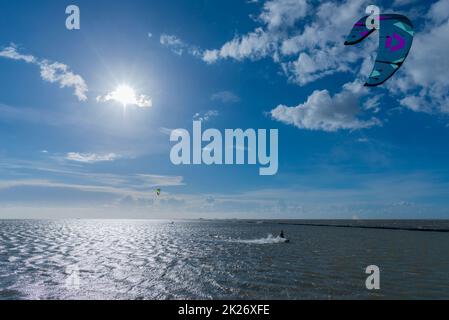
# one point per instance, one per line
(133, 259)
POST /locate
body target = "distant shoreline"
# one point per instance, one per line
(366, 227)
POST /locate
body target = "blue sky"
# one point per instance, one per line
(67, 149)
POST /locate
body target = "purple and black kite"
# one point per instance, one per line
(395, 41)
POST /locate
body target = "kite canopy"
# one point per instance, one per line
(395, 41)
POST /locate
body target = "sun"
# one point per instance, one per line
(125, 95)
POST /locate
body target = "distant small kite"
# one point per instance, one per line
(395, 42)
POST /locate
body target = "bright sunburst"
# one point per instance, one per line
(125, 95)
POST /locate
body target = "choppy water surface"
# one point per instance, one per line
(121, 259)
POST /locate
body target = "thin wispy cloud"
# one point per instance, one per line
(11, 53)
(179, 47)
(137, 185)
(91, 157)
(225, 97)
(119, 191)
(152, 180)
(206, 116)
(53, 72)
(165, 131)
(21, 168)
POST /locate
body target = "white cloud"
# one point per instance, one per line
(11, 53)
(254, 45)
(177, 46)
(205, 116)
(277, 16)
(416, 103)
(423, 79)
(439, 11)
(373, 103)
(91, 157)
(320, 46)
(173, 42)
(54, 72)
(225, 97)
(283, 13)
(60, 73)
(305, 53)
(328, 113)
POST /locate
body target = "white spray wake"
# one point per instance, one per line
(270, 239)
